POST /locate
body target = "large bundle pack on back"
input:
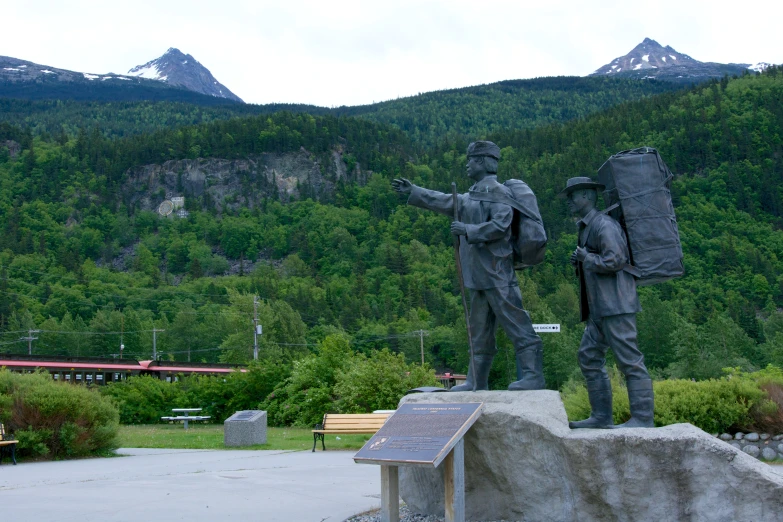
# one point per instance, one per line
(638, 195)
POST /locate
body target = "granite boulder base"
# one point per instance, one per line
(522, 462)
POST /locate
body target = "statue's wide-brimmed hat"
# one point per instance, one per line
(484, 148)
(582, 182)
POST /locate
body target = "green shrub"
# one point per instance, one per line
(308, 393)
(714, 405)
(143, 399)
(223, 395)
(56, 419)
(767, 414)
(378, 382)
(337, 380)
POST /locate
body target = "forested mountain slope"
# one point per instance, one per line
(77, 259)
(428, 118)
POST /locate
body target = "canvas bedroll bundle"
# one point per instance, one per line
(528, 235)
(638, 186)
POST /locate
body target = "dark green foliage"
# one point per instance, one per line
(427, 118)
(144, 399)
(76, 259)
(56, 420)
(714, 405)
(336, 380)
(474, 112)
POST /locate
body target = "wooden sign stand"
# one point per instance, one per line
(424, 435)
(453, 478)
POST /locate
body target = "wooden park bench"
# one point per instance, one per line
(186, 418)
(348, 423)
(7, 444)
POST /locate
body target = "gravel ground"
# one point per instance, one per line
(405, 516)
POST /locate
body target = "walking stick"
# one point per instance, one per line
(462, 284)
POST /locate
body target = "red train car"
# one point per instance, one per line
(99, 371)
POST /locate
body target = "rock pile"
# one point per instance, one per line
(763, 446)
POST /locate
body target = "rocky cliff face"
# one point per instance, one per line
(650, 59)
(182, 70)
(227, 185)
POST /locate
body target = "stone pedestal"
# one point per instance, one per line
(245, 428)
(522, 462)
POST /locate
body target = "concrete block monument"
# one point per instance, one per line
(245, 428)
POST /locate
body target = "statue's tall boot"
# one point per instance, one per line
(600, 393)
(530, 369)
(642, 402)
(483, 364)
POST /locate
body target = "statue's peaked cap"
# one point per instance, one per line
(484, 148)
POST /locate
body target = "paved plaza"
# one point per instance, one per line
(192, 485)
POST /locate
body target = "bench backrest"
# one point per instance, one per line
(338, 421)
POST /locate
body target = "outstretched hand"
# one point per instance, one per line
(402, 185)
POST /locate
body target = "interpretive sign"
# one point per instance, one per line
(419, 434)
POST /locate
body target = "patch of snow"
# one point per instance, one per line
(185, 62)
(637, 67)
(107, 78)
(10, 69)
(90, 76)
(646, 57)
(663, 58)
(620, 69)
(46, 71)
(673, 57)
(22, 66)
(150, 72)
(632, 59)
(653, 66)
(758, 67)
(163, 78)
(614, 67)
(607, 72)
(123, 78)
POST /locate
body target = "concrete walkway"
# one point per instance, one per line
(192, 485)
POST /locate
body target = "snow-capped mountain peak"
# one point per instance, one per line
(650, 59)
(759, 67)
(177, 68)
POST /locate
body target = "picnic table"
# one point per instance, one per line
(186, 417)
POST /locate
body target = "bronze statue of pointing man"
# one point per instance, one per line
(486, 255)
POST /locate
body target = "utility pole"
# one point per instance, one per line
(154, 343)
(421, 339)
(255, 328)
(122, 333)
(30, 340)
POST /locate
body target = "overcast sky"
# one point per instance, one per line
(338, 52)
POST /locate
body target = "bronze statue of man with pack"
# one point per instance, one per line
(497, 228)
(633, 242)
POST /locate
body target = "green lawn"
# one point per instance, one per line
(210, 436)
